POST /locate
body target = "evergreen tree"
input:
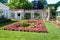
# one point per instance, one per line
(3, 1)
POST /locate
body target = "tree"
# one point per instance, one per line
(27, 5)
(41, 1)
(3, 1)
(44, 2)
(57, 4)
(40, 5)
(20, 4)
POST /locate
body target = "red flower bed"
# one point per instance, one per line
(40, 27)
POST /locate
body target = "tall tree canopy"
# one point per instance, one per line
(57, 4)
(39, 4)
(20, 4)
(3, 1)
(44, 2)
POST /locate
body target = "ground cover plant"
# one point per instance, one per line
(27, 26)
(53, 34)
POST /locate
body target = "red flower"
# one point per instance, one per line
(26, 29)
(31, 29)
(21, 29)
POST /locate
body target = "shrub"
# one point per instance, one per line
(24, 23)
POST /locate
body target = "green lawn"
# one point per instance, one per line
(6, 23)
(53, 34)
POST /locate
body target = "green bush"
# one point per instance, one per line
(24, 23)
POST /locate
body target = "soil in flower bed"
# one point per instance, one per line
(33, 26)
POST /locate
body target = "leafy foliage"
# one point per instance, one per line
(27, 16)
(20, 4)
(40, 5)
(3, 1)
(24, 23)
(57, 4)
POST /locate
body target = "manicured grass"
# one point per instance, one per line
(53, 34)
(6, 23)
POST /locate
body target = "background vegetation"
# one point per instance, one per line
(20, 4)
(3, 1)
(23, 4)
